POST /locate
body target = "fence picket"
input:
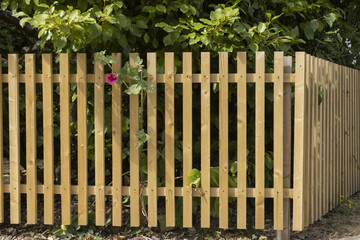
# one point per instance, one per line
(31, 176)
(152, 144)
(48, 140)
(299, 128)
(223, 140)
(65, 139)
(169, 140)
(313, 137)
(278, 140)
(99, 144)
(82, 137)
(260, 141)
(187, 138)
(116, 145)
(14, 139)
(241, 140)
(205, 139)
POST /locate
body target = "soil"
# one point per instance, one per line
(341, 222)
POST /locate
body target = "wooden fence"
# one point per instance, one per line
(324, 154)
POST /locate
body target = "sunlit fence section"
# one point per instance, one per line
(81, 140)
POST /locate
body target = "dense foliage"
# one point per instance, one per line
(324, 28)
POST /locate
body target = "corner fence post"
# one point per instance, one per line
(285, 233)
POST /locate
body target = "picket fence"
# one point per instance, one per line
(324, 152)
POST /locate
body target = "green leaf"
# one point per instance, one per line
(141, 24)
(184, 8)
(23, 21)
(60, 42)
(261, 27)
(5, 4)
(233, 168)
(330, 19)
(161, 8)
(122, 20)
(171, 38)
(142, 138)
(133, 89)
(253, 47)
(146, 38)
(309, 32)
(194, 178)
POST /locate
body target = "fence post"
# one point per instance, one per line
(285, 233)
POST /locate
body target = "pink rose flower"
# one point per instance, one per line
(111, 78)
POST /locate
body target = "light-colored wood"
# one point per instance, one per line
(205, 139)
(321, 142)
(214, 191)
(346, 117)
(169, 140)
(65, 154)
(331, 147)
(337, 136)
(260, 141)
(82, 138)
(307, 142)
(99, 144)
(342, 129)
(14, 139)
(327, 138)
(223, 141)
(134, 155)
(48, 122)
(299, 128)
(317, 141)
(312, 138)
(285, 233)
(116, 145)
(278, 140)
(31, 176)
(160, 78)
(152, 143)
(241, 140)
(187, 137)
(1, 148)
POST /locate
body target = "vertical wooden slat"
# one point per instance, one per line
(205, 139)
(331, 137)
(307, 135)
(285, 233)
(169, 139)
(346, 118)
(241, 140)
(116, 145)
(260, 141)
(48, 122)
(317, 141)
(299, 128)
(342, 129)
(82, 139)
(313, 137)
(337, 136)
(30, 102)
(223, 140)
(187, 137)
(1, 148)
(134, 155)
(152, 144)
(278, 140)
(99, 144)
(65, 139)
(14, 140)
(321, 142)
(327, 138)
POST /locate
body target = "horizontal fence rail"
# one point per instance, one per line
(314, 168)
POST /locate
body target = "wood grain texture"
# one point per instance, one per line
(241, 140)
(99, 144)
(205, 139)
(31, 147)
(299, 129)
(65, 154)
(152, 144)
(82, 140)
(14, 139)
(187, 137)
(278, 140)
(1, 148)
(169, 140)
(223, 141)
(116, 145)
(260, 141)
(134, 156)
